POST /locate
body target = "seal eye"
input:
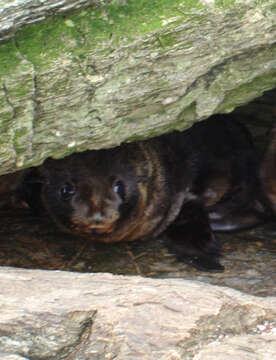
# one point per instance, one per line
(67, 191)
(119, 189)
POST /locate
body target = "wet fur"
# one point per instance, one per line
(188, 183)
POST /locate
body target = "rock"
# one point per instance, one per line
(11, 357)
(63, 315)
(99, 76)
(247, 347)
(17, 13)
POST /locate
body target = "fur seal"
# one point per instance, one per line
(189, 183)
(268, 170)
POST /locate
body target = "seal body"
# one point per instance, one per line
(268, 171)
(188, 183)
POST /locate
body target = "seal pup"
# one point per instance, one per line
(188, 183)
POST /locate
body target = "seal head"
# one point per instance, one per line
(108, 195)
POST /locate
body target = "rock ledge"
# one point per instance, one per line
(62, 315)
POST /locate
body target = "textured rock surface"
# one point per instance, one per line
(14, 14)
(130, 69)
(59, 315)
(261, 347)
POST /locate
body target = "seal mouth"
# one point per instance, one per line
(89, 227)
(100, 230)
(94, 229)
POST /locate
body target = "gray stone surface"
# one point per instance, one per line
(95, 78)
(63, 315)
(14, 14)
(251, 347)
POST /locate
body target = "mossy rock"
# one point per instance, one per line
(124, 70)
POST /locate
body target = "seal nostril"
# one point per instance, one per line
(97, 218)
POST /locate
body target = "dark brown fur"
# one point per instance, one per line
(96, 211)
(10, 194)
(187, 183)
(268, 171)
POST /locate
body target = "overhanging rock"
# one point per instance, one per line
(125, 70)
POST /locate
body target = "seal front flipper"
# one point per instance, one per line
(192, 240)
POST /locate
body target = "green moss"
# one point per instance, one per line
(21, 89)
(18, 144)
(247, 91)
(73, 34)
(44, 42)
(226, 4)
(166, 40)
(5, 122)
(9, 57)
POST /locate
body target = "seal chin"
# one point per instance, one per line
(101, 230)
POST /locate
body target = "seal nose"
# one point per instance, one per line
(97, 218)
